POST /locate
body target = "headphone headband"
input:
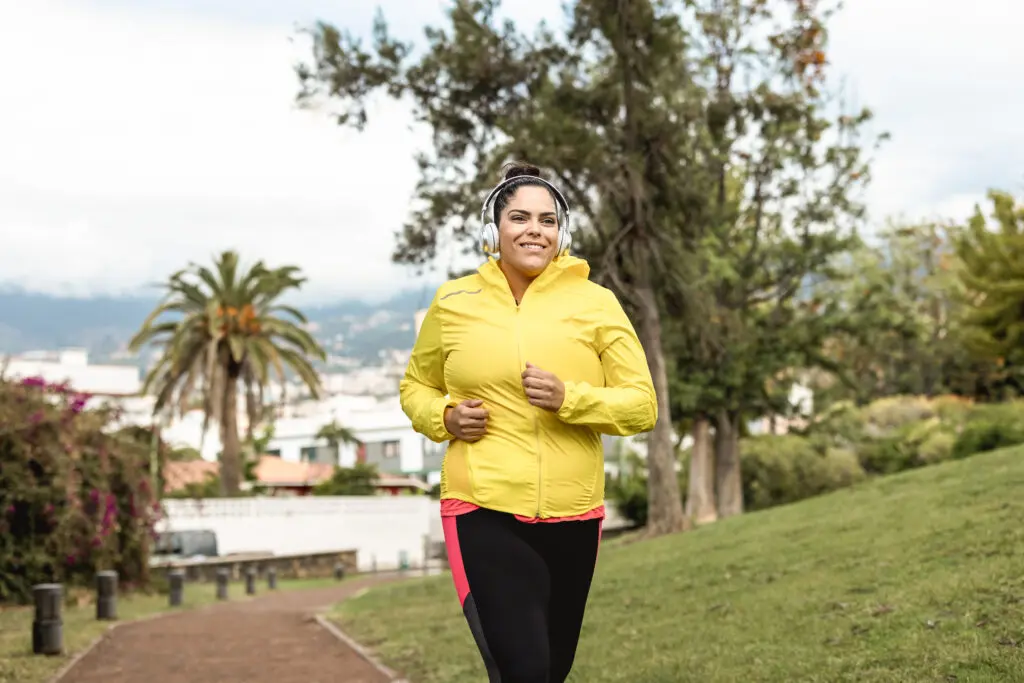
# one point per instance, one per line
(521, 178)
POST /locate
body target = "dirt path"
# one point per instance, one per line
(272, 639)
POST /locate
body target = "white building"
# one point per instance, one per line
(388, 439)
(72, 366)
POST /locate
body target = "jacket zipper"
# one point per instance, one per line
(533, 409)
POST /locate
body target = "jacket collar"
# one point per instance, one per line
(490, 271)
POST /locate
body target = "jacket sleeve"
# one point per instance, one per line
(422, 391)
(627, 404)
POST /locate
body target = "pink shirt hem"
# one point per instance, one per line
(453, 507)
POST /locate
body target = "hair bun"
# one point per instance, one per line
(516, 169)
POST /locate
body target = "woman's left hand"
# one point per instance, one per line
(543, 388)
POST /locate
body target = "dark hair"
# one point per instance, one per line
(526, 175)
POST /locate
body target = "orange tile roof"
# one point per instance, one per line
(271, 471)
(179, 474)
(274, 470)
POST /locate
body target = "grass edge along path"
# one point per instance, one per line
(914, 577)
(82, 630)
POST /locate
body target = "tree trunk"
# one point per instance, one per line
(664, 503)
(230, 465)
(728, 479)
(700, 498)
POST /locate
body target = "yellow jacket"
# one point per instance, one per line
(474, 343)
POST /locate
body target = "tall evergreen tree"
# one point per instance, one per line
(993, 279)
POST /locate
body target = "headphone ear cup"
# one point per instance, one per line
(489, 238)
(564, 241)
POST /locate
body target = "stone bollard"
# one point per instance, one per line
(222, 583)
(339, 571)
(250, 581)
(106, 595)
(48, 623)
(176, 577)
(272, 578)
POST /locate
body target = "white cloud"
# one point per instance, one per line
(940, 77)
(138, 142)
(135, 140)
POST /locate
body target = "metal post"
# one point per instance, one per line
(403, 560)
(177, 582)
(272, 578)
(222, 583)
(106, 595)
(48, 623)
(250, 581)
(339, 571)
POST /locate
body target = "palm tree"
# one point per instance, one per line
(335, 435)
(224, 328)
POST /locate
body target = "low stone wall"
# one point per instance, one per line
(300, 566)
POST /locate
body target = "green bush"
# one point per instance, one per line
(75, 495)
(784, 469)
(893, 412)
(629, 494)
(886, 455)
(358, 480)
(990, 426)
(936, 448)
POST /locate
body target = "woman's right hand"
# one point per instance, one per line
(466, 421)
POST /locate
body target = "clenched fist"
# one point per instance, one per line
(466, 421)
(543, 389)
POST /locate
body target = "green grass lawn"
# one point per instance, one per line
(19, 665)
(914, 577)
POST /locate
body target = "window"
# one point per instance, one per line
(384, 454)
(307, 454)
(276, 452)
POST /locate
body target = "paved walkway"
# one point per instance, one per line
(271, 639)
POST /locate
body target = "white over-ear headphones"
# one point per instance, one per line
(489, 233)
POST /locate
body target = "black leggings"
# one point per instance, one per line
(523, 589)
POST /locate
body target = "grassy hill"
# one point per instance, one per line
(914, 577)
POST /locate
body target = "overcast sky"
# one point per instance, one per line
(137, 135)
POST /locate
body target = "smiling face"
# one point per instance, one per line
(528, 231)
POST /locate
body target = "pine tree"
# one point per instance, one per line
(993, 279)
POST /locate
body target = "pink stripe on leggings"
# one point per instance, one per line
(451, 544)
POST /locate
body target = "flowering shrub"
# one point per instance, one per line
(75, 496)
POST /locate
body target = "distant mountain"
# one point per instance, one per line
(103, 325)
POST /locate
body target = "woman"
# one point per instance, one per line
(522, 366)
